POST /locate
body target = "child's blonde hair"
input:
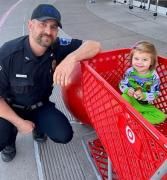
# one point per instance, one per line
(146, 47)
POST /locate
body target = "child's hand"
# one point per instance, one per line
(131, 92)
(138, 95)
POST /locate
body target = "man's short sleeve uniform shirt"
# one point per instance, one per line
(26, 79)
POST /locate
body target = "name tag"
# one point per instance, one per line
(21, 75)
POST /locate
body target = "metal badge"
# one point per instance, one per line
(27, 58)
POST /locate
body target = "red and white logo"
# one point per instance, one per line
(130, 135)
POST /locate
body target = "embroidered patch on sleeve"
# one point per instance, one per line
(65, 41)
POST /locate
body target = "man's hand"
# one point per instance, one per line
(25, 126)
(63, 71)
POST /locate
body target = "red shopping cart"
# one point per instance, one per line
(137, 149)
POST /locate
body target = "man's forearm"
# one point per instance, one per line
(7, 113)
(87, 50)
(63, 71)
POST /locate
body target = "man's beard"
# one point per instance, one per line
(44, 40)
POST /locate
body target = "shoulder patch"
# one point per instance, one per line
(65, 41)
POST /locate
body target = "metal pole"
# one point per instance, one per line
(130, 4)
(160, 172)
(141, 4)
(144, 6)
(149, 2)
(109, 169)
(156, 7)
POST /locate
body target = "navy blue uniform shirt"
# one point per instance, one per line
(26, 79)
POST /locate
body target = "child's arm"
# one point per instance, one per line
(154, 90)
(124, 84)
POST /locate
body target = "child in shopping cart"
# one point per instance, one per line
(140, 84)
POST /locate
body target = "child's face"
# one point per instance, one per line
(141, 61)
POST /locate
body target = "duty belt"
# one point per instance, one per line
(32, 107)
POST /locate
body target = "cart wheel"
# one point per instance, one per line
(92, 1)
(144, 7)
(130, 7)
(154, 14)
(140, 6)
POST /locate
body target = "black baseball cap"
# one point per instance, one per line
(45, 12)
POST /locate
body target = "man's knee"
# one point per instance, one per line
(67, 138)
(64, 138)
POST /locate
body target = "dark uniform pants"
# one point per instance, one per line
(47, 119)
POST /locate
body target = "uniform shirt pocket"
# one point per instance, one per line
(21, 85)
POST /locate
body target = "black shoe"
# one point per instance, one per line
(8, 153)
(39, 137)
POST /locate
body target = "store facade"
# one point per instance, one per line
(154, 5)
(159, 6)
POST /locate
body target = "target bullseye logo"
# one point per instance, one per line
(130, 135)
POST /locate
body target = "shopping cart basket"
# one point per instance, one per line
(137, 149)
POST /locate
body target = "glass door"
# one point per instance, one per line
(121, 1)
(159, 5)
(144, 4)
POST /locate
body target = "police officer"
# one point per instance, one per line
(28, 67)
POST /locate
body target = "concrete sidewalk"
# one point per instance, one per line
(115, 26)
(130, 25)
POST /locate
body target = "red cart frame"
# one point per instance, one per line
(137, 149)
